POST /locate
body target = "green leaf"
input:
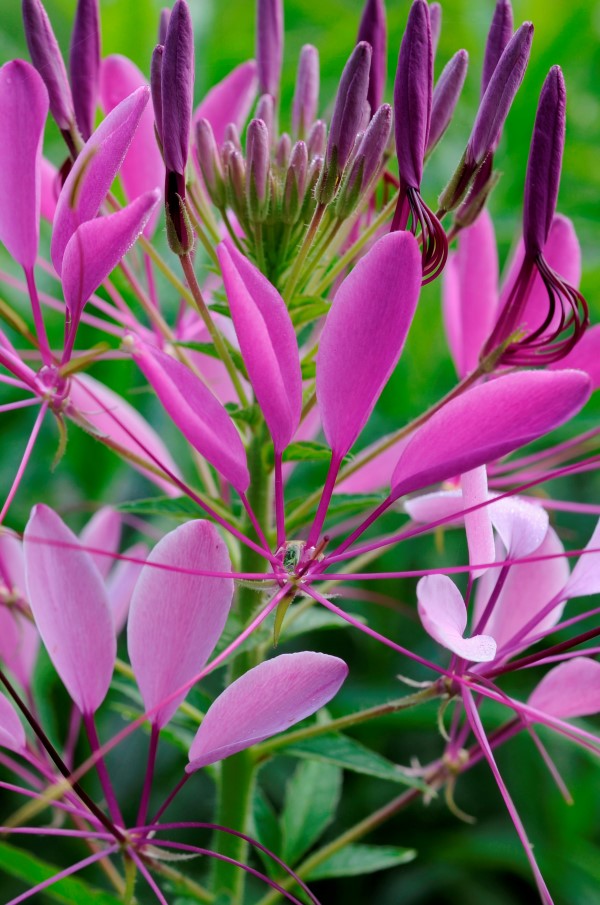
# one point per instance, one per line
(32, 870)
(266, 829)
(341, 505)
(312, 797)
(250, 414)
(220, 308)
(309, 370)
(354, 860)
(311, 312)
(180, 507)
(349, 754)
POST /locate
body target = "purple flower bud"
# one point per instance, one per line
(265, 110)
(295, 183)
(156, 88)
(236, 183)
(372, 29)
(544, 164)
(232, 135)
(412, 94)
(306, 96)
(445, 96)
(283, 151)
(163, 24)
(269, 45)
(46, 57)
(257, 169)
(499, 95)
(317, 139)
(349, 105)
(366, 162)
(84, 64)
(210, 163)
(435, 19)
(499, 35)
(177, 82)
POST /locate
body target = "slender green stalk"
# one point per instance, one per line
(303, 252)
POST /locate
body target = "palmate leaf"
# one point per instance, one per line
(345, 752)
(32, 870)
(312, 797)
(354, 860)
(181, 508)
(342, 505)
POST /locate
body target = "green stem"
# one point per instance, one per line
(238, 772)
(303, 252)
(130, 878)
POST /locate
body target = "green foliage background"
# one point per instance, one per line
(456, 863)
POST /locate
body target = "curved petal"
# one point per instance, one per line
(19, 644)
(569, 690)
(92, 174)
(444, 616)
(142, 168)
(264, 701)
(487, 422)
(478, 524)
(50, 189)
(102, 532)
(364, 335)
(176, 615)
(267, 342)
(69, 604)
(585, 356)
(230, 101)
(585, 577)
(21, 90)
(197, 413)
(522, 525)
(12, 734)
(122, 581)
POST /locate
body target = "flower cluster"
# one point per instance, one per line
(266, 328)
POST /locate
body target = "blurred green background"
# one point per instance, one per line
(456, 863)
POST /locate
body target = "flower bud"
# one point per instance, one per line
(210, 163)
(445, 96)
(283, 151)
(544, 164)
(265, 110)
(499, 35)
(306, 96)
(269, 45)
(412, 94)
(257, 169)
(236, 183)
(163, 24)
(232, 135)
(84, 64)
(435, 19)
(366, 162)
(372, 29)
(295, 183)
(47, 59)
(317, 140)
(177, 81)
(156, 88)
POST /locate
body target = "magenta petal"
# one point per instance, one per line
(121, 582)
(197, 413)
(522, 525)
(444, 616)
(432, 507)
(470, 293)
(50, 188)
(487, 422)
(376, 474)
(102, 532)
(94, 170)
(264, 701)
(585, 577)
(478, 524)
(23, 112)
(142, 168)
(571, 689)
(119, 422)
(19, 644)
(230, 101)
(69, 604)
(97, 246)
(364, 335)
(12, 734)
(176, 617)
(585, 356)
(267, 342)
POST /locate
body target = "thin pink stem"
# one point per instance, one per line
(152, 748)
(38, 320)
(21, 404)
(26, 455)
(255, 523)
(334, 467)
(147, 877)
(109, 794)
(67, 872)
(279, 500)
(169, 799)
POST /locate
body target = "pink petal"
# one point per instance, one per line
(444, 616)
(50, 189)
(116, 420)
(23, 112)
(375, 474)
(19, 644)
(230, 101)
(571, 689)
(585, 577)
(176, 618)
(102, 532)
(364, 335)
(527, 589)
(487, 422)
(264, 701)
(69, 604)
(267, 342)
(12, 734)
(478, 524)
(585, 356)
(94, 170)
(121, 582)
(97, 246)
(197, 413)
(143, 168)
(432, 507)
(12, 565)
(470, 293)
(522, 525)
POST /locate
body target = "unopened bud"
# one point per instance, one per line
(163, 24)
(283, 151)
(177, 81)
(84, 64)
(269, 45)
(156, 89)
(499, 35)
(306, 97)
(46, 57)
(257, 170)
(317, 140)
(295, 183)
(232, 135)
(349, 107)
(435, 19)
(445, 96)
(366, 163)
(210, 163)
(180, 234)
(265, 110)
(236, 184)
(372, 29)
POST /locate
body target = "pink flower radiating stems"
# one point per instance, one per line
(38, 320)
(279, 500)
(255, 524)
(67, 872)
(552, 768)
(311, 592)
(145, 799)
(479, 732)
(25, 459)
(334, 467)
(109, 794)
(147, 877)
